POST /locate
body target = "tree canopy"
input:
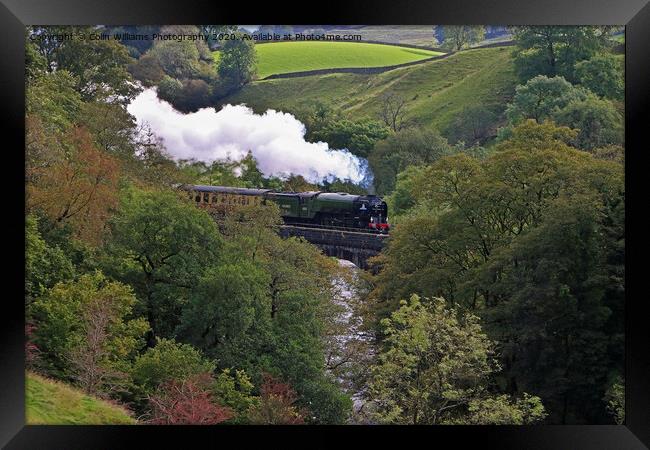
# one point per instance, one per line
(529, 232)
(237, 61)
(555, 50)
(405, 148)
(457, 37)
(434, 370)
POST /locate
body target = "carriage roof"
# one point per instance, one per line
(227, 190)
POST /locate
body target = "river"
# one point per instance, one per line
(350, 348)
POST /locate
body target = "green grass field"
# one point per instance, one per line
(50, 402)
(436, 91)
(286, 57)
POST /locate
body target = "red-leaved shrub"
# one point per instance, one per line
(187, 402)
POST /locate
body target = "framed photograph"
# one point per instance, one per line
(401, 218)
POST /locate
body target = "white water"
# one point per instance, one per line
(351, 349)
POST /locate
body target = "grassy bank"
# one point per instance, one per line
(50, 402)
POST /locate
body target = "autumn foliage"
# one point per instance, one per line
(276, 405)
(187, 402)
(79, 187)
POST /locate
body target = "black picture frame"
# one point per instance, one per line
(15, 14)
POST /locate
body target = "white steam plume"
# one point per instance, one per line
(276, 139)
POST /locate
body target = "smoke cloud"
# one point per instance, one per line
(276, 139)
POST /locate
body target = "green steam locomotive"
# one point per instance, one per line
(339, 209)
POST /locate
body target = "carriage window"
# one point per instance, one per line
(198, 197)
(205, 197)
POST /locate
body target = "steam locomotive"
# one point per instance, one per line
(338, 209)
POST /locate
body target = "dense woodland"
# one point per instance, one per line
(499, 299)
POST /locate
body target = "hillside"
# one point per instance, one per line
(420, 35)
(436, 91)
(286, 57)
(398, 34)
(50, 402)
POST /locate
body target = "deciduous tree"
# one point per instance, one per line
(276, 405)
(187, 402)
(435, 368)
(458, 37)
(167, 361)
(357, 136)
(45, 265)
(54, 99)
(555, 50)
(228, 315)
(603, 74)
(598, 122)
(409, 147)
(234, 390)
(474, 125)
(162, 245)
(541, 97)
(98, 65)
(86, 332)
(237, 61)
(392, 111)
(80, 188)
